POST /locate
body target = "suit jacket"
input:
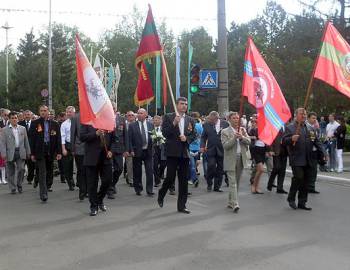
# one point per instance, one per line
(277, 146)
(135, 138)
(121, 140)
(77, 145)
(302, 154)
(174, 147)
(8, 143)
(229, 143)
(23, 123)
(212, 140)
(94, 148)
(2, 124)
(36, 138)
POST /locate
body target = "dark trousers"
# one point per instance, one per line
(179, 166)
(61, 169)
(137, 171)
(31, 170)
(117, 171)
(279, 170)
(104, 171)
(158, 165)
(81, 175)
(313, 177)
(215, 171)
(68, 164)
(301, 175)
(45, 175)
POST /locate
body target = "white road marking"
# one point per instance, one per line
(328, 177)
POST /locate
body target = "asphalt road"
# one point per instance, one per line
(136, 234)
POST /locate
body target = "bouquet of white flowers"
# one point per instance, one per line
(157, 137)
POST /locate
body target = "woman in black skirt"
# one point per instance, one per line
(258, 153)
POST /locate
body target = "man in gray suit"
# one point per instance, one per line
(235, 141)
(14, 146)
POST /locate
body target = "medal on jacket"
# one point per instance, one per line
(312, 136)
(189, 128)
(39, 128)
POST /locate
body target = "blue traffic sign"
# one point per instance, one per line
(208, 79)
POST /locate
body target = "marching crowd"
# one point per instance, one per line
(166, 146)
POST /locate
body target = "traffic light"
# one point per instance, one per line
(195, 79)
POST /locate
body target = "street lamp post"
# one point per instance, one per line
(7, 27)
(50, 60)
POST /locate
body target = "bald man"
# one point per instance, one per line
(141, 148)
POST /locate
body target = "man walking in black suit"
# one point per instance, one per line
(212, 146)
(119, 149)
(179, 132)
(300, 140)
(141, 148)
(30, 164)
(78, 150)
(45, 145)
(98, 164)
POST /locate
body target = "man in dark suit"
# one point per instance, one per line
(141, 148)
(212, 146)
(300, 140)
(179, 131)
(45, 145)
(4, 121)
(30, 164)
(98, 163)
(78, 150)
(279, 155)
(119, 149)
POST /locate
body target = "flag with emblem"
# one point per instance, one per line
(333, 63)
(94, 104)
(149, 48)
(264, 93)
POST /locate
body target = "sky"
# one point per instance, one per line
(179, 14)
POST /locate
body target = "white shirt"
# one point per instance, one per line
(16, 134)
(28, 123)
(146, 131)
(217, 126)
(65, 131)
(259, 143)
(182, 124)
(238, 143)
(331, 127)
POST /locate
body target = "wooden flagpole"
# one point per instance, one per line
(169, 84)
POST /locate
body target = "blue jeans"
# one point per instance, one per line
(192, 168)
(332, 155)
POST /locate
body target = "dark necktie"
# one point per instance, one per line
(143, 134)
(27, 125)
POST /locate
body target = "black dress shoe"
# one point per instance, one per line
(13, 191)
(269, 188)
(185, 211)
(110, 196)
(44, 198)
(218, 190)
(150, 194)
(71, 188)
(82, 196)
(273, 185)
(292, 205)
(281, 191)
(102, 207)
(35, 185)
(209, 189)
(236, 209)
(304, 207)
(160, 203)
(172, 192)
(49, 190)
(20, 190)
(93, 212)
(314, 191)
(138, 193)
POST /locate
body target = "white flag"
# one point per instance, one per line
(98, 68)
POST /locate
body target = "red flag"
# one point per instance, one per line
(95, 106)
(144, 92)
(264, 93)
(333, 63)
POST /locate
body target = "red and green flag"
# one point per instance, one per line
(333, 63)
(149, 48)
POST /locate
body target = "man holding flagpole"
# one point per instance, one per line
(98, 122)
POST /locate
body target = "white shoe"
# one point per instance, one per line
(4, 182)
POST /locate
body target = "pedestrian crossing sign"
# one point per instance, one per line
(208, 79)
